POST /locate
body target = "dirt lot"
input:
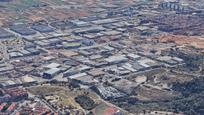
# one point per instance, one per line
(197, 42)
(150, 94)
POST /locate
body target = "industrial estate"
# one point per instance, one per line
(101, 57)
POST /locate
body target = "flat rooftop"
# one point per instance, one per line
(5, 34)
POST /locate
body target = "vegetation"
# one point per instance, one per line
(190, 102)
(193, 96)
(192, 105)
(85, 102)
(191, 87)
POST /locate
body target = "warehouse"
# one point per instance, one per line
(78, 23)
(60, 24)
(78, 75)
(167, 59)
(105, 21)
(42, 28)
(93, 35)
(133, 56)
(72, 45)
(93, 29)
(50, 73)
(96, 72)
(6, 68)
(15, 55)
(9, 83)
(67, 53)
(116, 59)
(22, 29)
(124, 85)
(85, 80)
(87, 42)
(89, 18)
(34, 51)
(111, 33)
(53, 65)
(25, 52)
(5, 34)
(108, 92)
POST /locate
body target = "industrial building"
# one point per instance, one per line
(5, 34)
(22, 29)
(50, 73)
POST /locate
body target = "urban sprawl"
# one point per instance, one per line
(113, 57)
